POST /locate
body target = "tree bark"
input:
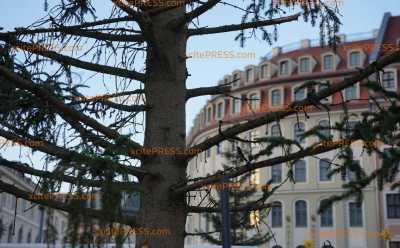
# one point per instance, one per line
(165, 127)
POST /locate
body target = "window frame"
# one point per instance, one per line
(325, 120)
(299, 59)
(394, 70)
(329, 98)
(295, 215)
(349, 52)
(386, 205)
(209, 114)
(281, 90)
(333, 216)
(257, 103)
(331, 179)
(249, 77)
(282, 215)
(272, 173)
(357, 85)
(294, 87)
(334, 62)
(306, 172)
(362, 215)
(217, 104)
(234, 100)
(294, 131)
(289, 68)
(279, 130)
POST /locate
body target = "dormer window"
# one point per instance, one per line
(328, 62)
(236, 79)
(354, 59)
(284, 68)
(249, 75)
(264, 71)
(305, 65)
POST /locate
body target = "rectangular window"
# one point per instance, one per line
(220, 110)
(236, 106)
(324, 85)
(305, 65)
(324, 169)
(208, 153)
(276, 212)
(209, 114)
(299, 94)
(276, 173)
(284, 68)
(355, 59)
(389, 80)
(328, 62)
(393, 206)
(249, 75)
(264, 71)
(394, 244)
(300, 171)
(355, 214)
(327, 217)
(350, 93)
(253, 101)
(351, 175)
(236, 79)
(276, 98)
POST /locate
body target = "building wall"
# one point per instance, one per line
(341, 234)
(27, 221)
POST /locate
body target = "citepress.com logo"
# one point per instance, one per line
(142, 231)
(168, 151)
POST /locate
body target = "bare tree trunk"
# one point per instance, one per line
(165, 127)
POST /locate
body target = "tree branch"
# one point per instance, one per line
(214, 90)
(244, 208)
(236, 27)
(193, 14)
(66, 60)
(26, 169)
(62, 108)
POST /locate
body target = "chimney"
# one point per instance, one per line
(276, 51)
(305, 43)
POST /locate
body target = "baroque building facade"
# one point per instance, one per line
(273, 83)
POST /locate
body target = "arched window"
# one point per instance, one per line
(299, 129)
(29, 237)
(10, 234)
(326, 216)
(275, 132)
(276, 97)
(20, 234)
(301, 213)
(324, 132)
(276, 215)
(300, 171)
